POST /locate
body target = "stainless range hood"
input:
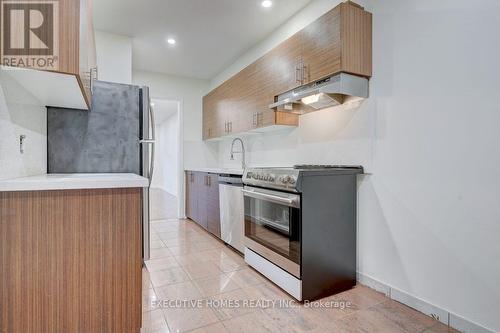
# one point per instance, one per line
(332, 91)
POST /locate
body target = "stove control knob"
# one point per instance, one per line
(285, 179)
(255, 176)
(271, 178)
(292, 180)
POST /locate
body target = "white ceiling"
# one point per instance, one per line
(210, 34)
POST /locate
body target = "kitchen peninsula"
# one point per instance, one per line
(71, 253)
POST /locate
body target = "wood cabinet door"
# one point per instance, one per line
(283, 65)
(356, 35)
(213, 209)
(214, 109)
(217, 107)
(321, 46)
(339, 41)
(208, 117)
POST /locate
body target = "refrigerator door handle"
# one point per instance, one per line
(153, 139)
(152, 142)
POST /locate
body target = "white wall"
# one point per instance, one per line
(189, 92)
(166, 163)
(21, 114)
(429, 217)
(114, 57)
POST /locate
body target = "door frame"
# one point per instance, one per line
(180, 153)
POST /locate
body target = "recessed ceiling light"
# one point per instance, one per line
(266, 3)
(171, 41)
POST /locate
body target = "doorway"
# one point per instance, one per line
(165, 194)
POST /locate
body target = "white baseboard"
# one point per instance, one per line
(464, 325)
(420, 305)
(444, 316)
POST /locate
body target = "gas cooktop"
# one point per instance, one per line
(288, 178)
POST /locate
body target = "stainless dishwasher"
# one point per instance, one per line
(232, 217)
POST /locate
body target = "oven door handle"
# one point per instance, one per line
(273, 198)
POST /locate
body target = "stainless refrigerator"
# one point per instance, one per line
(116, 136)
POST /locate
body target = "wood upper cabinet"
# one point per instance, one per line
(241, 103)
(216, 112)
(339, 41)
(63, 48)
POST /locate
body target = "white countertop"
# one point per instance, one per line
(217, 170)
(73, 181)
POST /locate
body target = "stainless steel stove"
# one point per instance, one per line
(300, 227)
(289, 178)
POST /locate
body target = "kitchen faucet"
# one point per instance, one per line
(242, 152)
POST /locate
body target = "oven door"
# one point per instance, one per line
(272, 226)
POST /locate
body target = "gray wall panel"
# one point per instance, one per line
(106, 139)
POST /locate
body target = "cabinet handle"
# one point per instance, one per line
(225, 127)
(96, 71)
(92, 78)
(209, 181)
(305, 76)
(255, 120)
(230, 127)
(301, 71)
(297, 72)
(88, 80)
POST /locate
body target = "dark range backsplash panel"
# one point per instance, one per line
(105, 139)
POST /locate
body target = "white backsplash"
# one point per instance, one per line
(340, 135)
(21, 114)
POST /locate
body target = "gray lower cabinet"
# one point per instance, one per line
(202, 200)
(191, 197)
(212, 203)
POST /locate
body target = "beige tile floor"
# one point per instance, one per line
(194, 283)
